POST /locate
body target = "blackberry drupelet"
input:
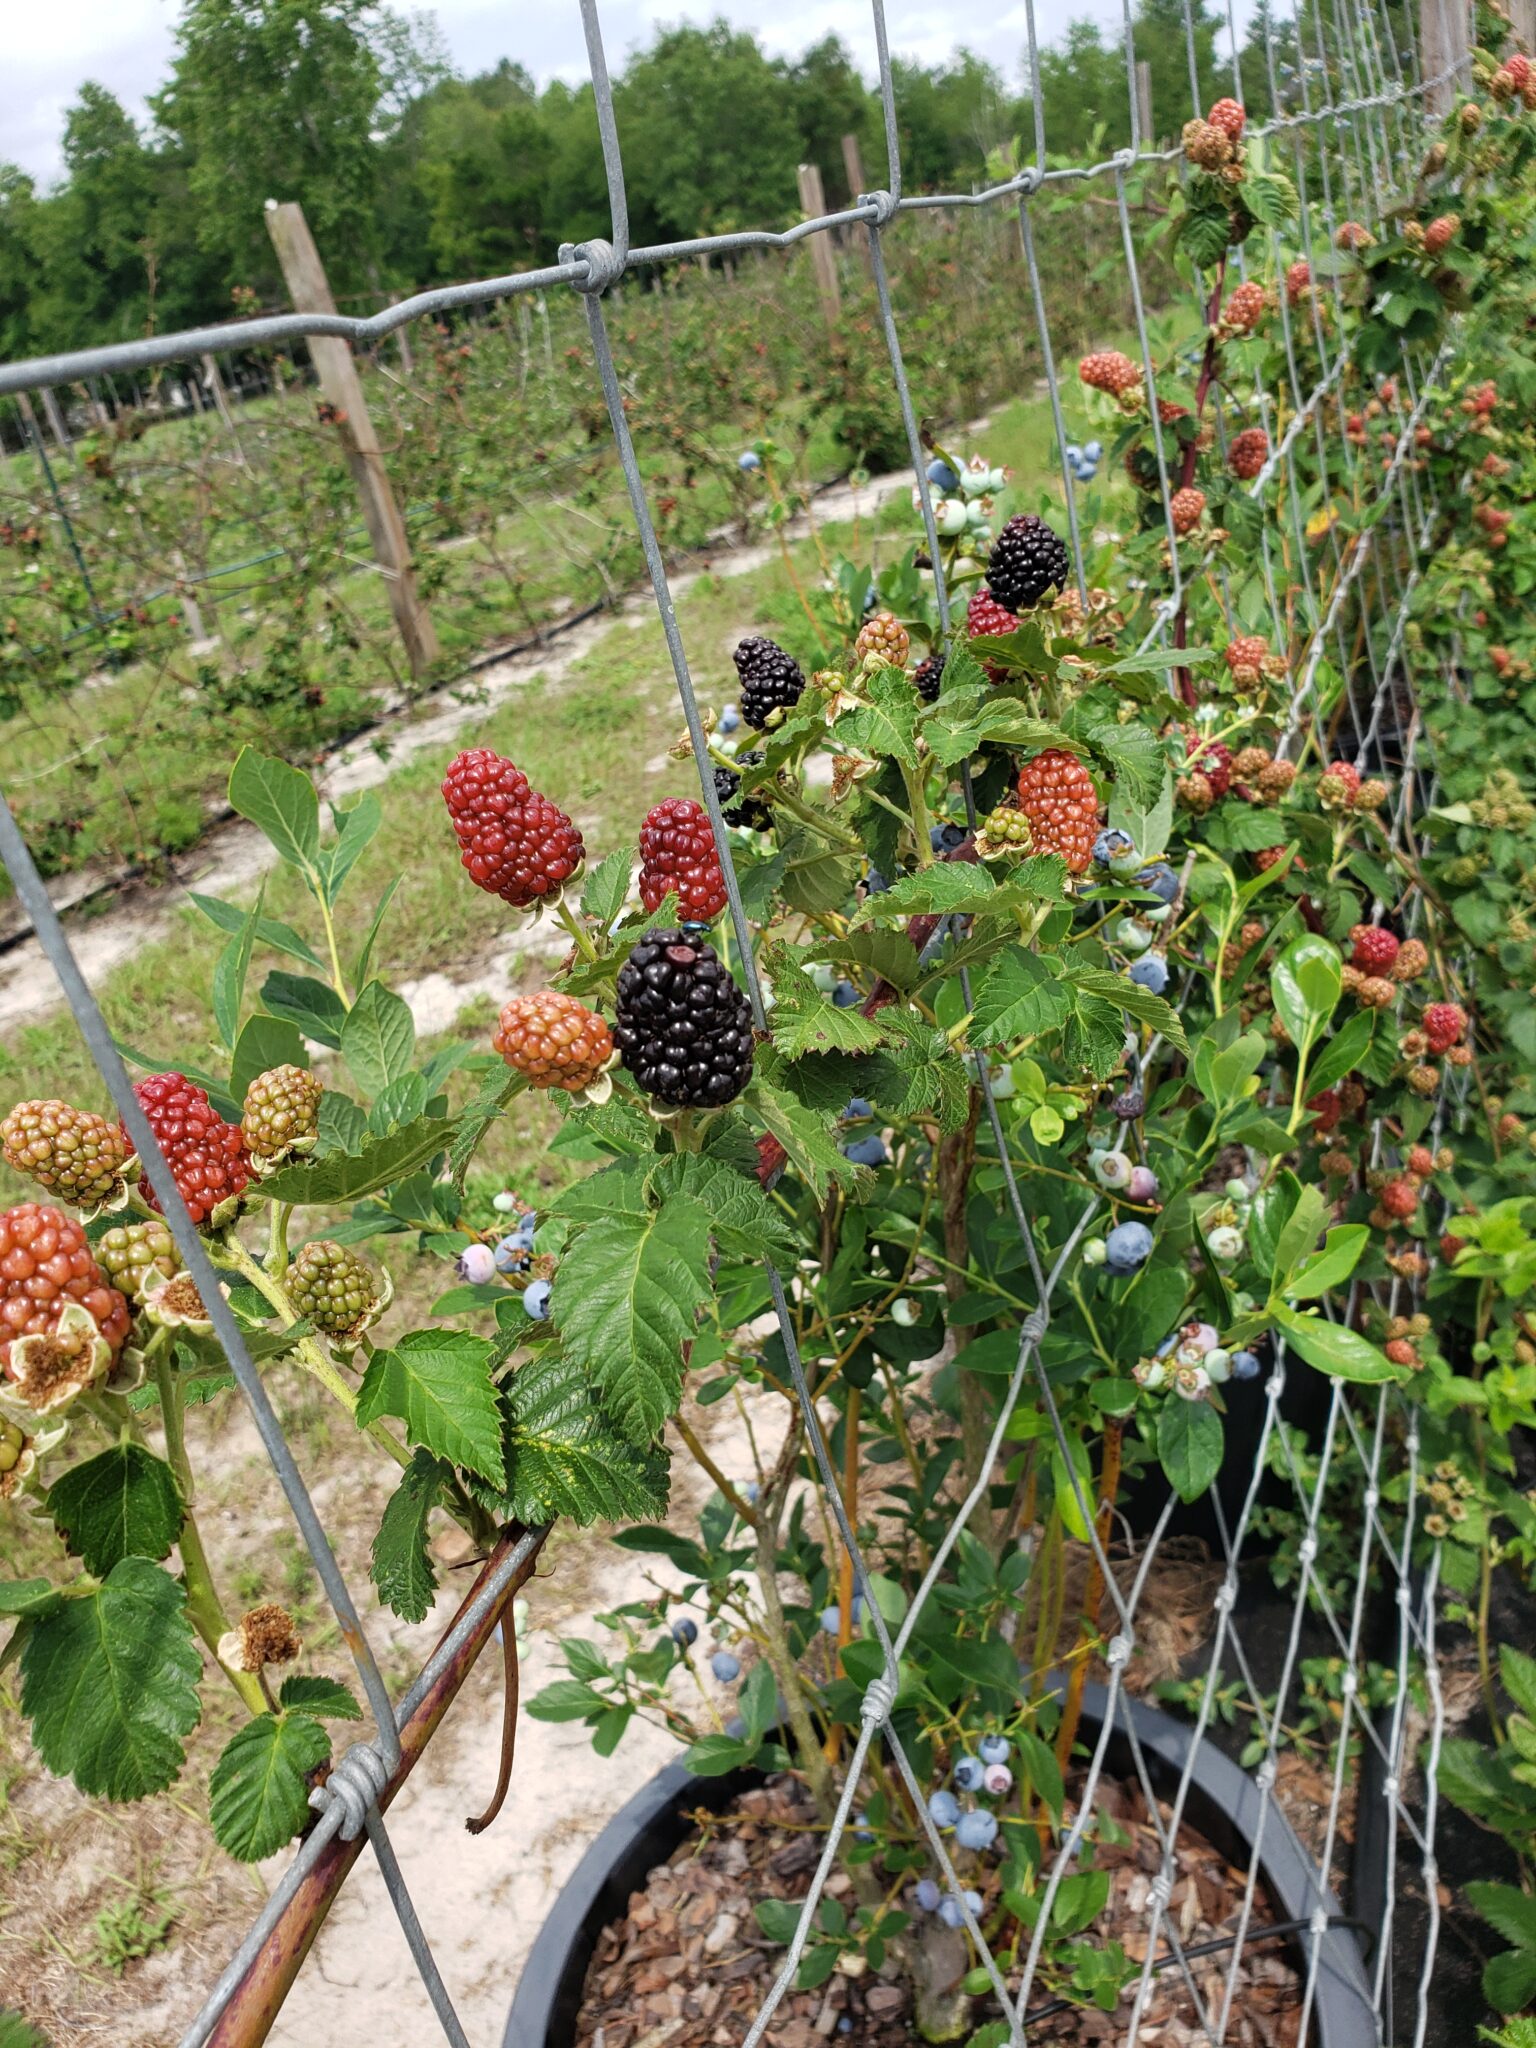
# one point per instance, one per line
(1027, 559)
(751, 812)
(770, 679)
(684, 1028)
(928, 678)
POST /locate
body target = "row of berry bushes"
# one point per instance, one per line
(1061, 948)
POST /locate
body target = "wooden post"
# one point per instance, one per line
(213, 378)
(853, 166)
(813, 203)
(54, 414)
(1144, 103)
(1444, 45)
(1522, 17)
(336, 369)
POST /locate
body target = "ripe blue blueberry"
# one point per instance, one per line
(725, 1667)
(845, 995)
(857, 1106)
(512, 1254)
(750, 1492)
(1150, 972)
(943, 1808)
(685, 1632)
(1093, 450)
(950, 1913)
(829, 1621)
(844, 2024)
(976, 1830)
(730, 719)
(928, 1895)
(536, 1300)
(1110, 844)
(1158, 880)
(875, 883)
(1245, 1365)
(994, 1749)
(868, 1151)
(968, 1774)
(749, 459)
(1127, 1247)
(945, 838)
(861, 1831)
(942, 477)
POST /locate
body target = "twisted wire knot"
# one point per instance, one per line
(1035, 1324)
(604, 264)
(357, 1782)
(1162, 1890)
(884, 204)
(1028, 181)
(879, 1698)
(1117, 1651)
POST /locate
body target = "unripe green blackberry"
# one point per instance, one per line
(137, 1256)
(338, 1291)
(70, 1152)
(282, 1113)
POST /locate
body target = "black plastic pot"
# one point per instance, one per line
(1223, 1802)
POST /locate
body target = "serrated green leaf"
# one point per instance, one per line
(1021, 997)
(566, 1458)
(477, 1117)
(401, 1565)
(257, 1795)
(109, 1683)
(378, 1039)
(1507, 1910)
(1131, 997)
(17, 2032)
(1337, 1350)
(122, 1503)
(1518, 1672)
(817, 877)
(887, 725)
(811, 1148)
(616, 1190)
(964, 729)
(889, 956)
(606, 887)
(1190, 1442)
(438, 1383)
(280, 801)
(802, 1019)
(742, 1220)
(341, 1177)
(26, 1596)
(1133, 757)
(1509, 1980)
(626, 1300)
(326, 1698)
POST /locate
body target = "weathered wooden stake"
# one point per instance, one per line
(213, 377)
(853, 166)
(1445, 44)
(53, 412)
(1144, 103)
(813, 203)
(336, 369)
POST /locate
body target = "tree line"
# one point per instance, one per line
(411, 174)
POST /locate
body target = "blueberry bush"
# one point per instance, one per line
(1080, 956)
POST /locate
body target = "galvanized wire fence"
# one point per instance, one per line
(1352, 145)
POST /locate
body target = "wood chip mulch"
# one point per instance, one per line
(688, 1966)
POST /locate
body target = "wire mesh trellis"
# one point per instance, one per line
(1355, 138)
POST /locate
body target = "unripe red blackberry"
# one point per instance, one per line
(553, 1041)
(1107, 369)
(1170, 412)
(1245, 309)
(1420, 1161)
(281, 1116)
(138, 1256)
(1424, 1079)
(1400, 1351)
(1373, 992)
(1228, 115)
(883, 641)
(1248, 453)
(1210, 758)
(1245, 658)
(1194, 793)
(70, 1152)
(207, 1156)
(1399, 1198)
(514, 843)
(683, 1027)
(1248, 763)
(770, 679)
(1026, 561)
(1057, 795)
(1275, 780)
(1353, 236)
(1441, 233)
(1374, 948)
(1443, 1025)
(677, 852)
(1206, 145)
(45, 1263)
(334, 1287)
(985, 618)
(1185, 509)
(1298, 282)
(1338, 786)
(1412, 959)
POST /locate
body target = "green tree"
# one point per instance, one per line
(829, 100)
(20, 266)
(90, 235)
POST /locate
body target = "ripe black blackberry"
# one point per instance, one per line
(1026, 560)
(684, 1028)
(770, 679)
(927, 678)
(751, 812)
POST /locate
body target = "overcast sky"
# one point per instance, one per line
(50, 50)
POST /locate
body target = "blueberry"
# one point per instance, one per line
(950, 1914)
(725, 1667)
(942, 477)
(512, 1255)
(998, 1781)
(875, 883)
(504, 1203)
(476, 1264)
(973, 1900)
(536, 1300)
(1150, 972)
(861, 1831)
(1127, 1247)
(845, 995)
(943, 1808)
(857, 1106)
(844, 2024)
(749, 1493)
(945, 838)
(1245, 1365)
(1111, 1169)
(730, 719)
(685, 1632)
(1158, 880)
(968, 1774)
(1074, 454)
(830, 1617)
(1110, 843)
(1093, 450)
(976, 1830)
(868, 1151)
(1142, 1185)
(749, 459)
(928, 1895)
(994, 1749)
